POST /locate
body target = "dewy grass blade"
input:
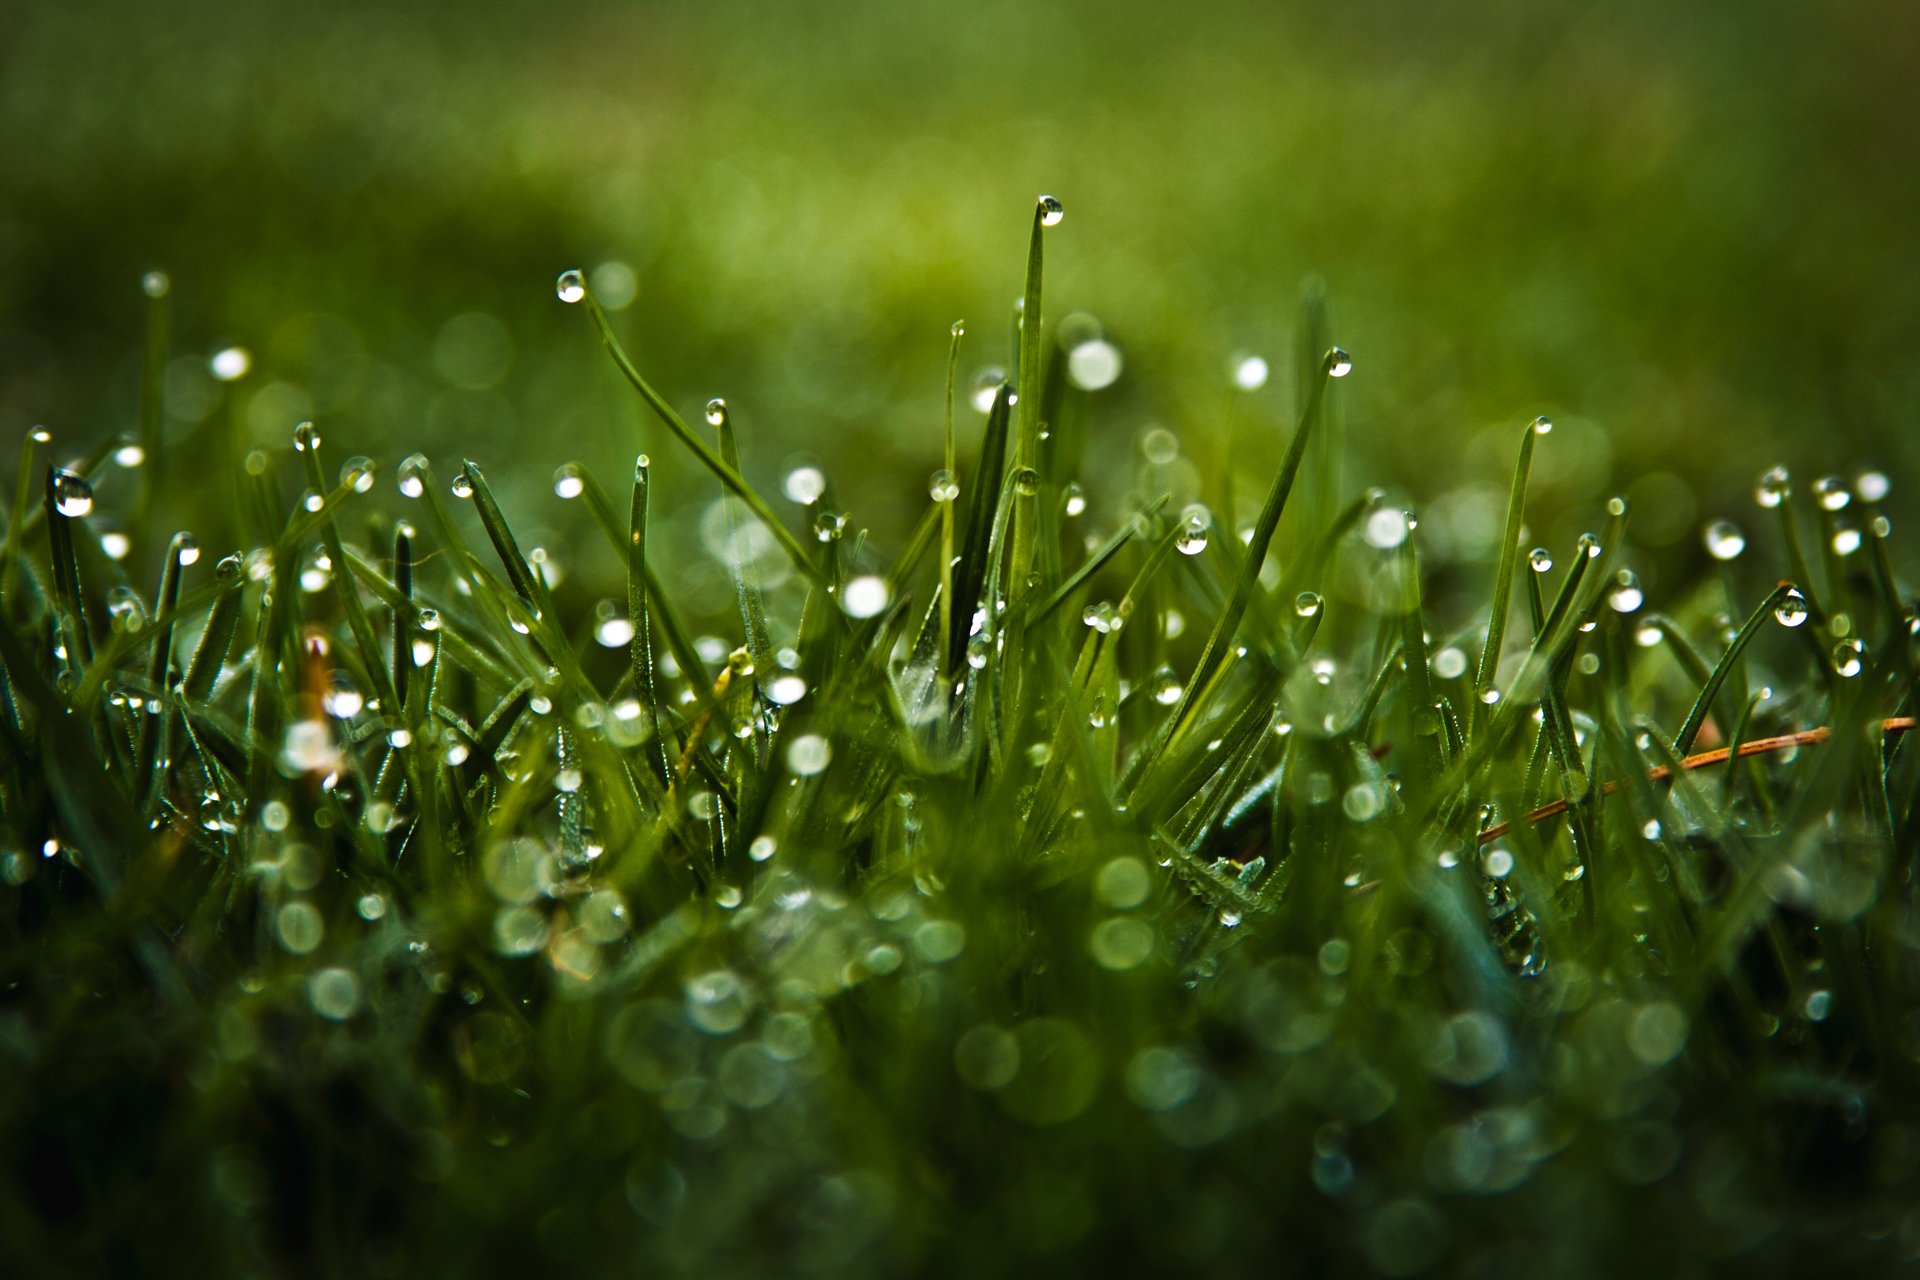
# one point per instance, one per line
(945, 491)
(1697, 716)
(989, 477)
(403, 612)
(307, 442)
(182, 551)
(1046, 213)
(746, 574)
(1334, 364)
(1509, 561)
(639, 589)
(700, 448)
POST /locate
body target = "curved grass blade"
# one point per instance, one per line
(1697, 716)
(1503, 579)
(700, 448)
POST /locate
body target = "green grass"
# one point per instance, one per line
(1128, 891)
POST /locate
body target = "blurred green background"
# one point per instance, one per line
(1685, 231)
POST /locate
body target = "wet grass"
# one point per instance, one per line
(1065, 887)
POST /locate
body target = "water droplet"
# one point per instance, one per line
(1626, 595)
(986, 385)
(413, 475)
(1160, 446)
(356, 473)
(804, 485)
(958, 328)
(1497, 863)
(1724, 540)
(306, 438)
(943, 486)
(571, 286)
(1165, 689)
(569, 482)
(1100, 714)
(1339, 363)
(1121, 943)
(462, 485)
(828, 526)
(1364, 801)
(809, 754)
(1831, 493)
(116, 545)
(1076, 500)
(1192, 538)
(299, 926)
(1307, 604)
(977, 650)
(1050, 211)
(1249, 371)
(1872, 486)
(1792, 609)
(716, 411)
(1450, 663)
(1094, 365)
(1773, 489)
(230, 364)
(1542, 425)
(1846, 541)
(784, 691)
(155, 284)
(865, 596)
(334, 994)
(1026, 481)
(129, 456)
(1848, 657)
(72, 495)
(1386, 528)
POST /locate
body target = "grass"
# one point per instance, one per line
(1114, 891)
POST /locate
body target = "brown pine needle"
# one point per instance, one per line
(1719, 755)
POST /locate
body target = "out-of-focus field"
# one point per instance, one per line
(1684, 231)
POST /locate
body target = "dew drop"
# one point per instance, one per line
(1846, 541)
(1542, 425)
(986, 385)
(1100, 714)
(230, 364)
(977, 649)
(413, 475)
(72, 495)
(716, 411)
(1724, 540)
(1165, 689)
(155, 284)
(1026, 481)
(1387, 528)
(809, 754)
(1249, 371)
(569, 482)
(571, 286)
(1831, 493)
(1307, 604)
(943, 486)
(1872, 486)
(865, 596)
(357, 472)
(1076, 500)
(1792, 609)
(1626, 595)
(1848, 658)
(1192, 538)
(1773, 488)
(462, 486)
(129, 456)
(1339, 363)
(1094, 365)
(306, 438)
(804, 485)
(1051, 211)
(958, 328)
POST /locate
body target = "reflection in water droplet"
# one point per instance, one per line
(462, 486)
(1542, 425)
(1307, 604)
(570, 286)
(1339, 363)
(1792, 609)
(1050, 211)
